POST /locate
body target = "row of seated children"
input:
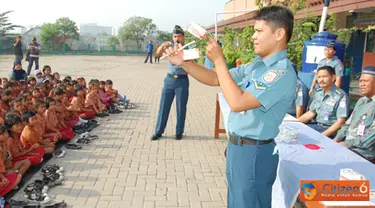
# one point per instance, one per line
(37, 112)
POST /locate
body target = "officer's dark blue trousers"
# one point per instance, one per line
(320, 129)
(251, 171)
(173, 87)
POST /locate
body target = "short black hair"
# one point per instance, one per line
(2, 129)
(27, 115)
(278, 17)
(17, 100)
(39, 103)
(329, 69)
(10, 84)
(109, 82)
(58, 91)
(11, 120)
(45, 67)
(76, 89)
(48, 100)
(7, 92)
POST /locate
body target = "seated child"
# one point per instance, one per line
(9, 178)
(93, 101)
(6, 97)
(38, 77)
(4, 82)
(18, 73)
(46, 70)
(54, 123)
(82, 82)
(40, 109)
(109, 90)
(31, 136)
(17, 105)
(15, 127)
(56, 75)
(79, 101)
(104, 97)
(32, 82)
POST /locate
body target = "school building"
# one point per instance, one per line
(349, 13)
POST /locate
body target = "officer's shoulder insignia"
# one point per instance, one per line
(338, 92)
(319, 89)
(259, 85)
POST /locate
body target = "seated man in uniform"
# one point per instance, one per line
(329, 104)
(297, 109)
(358, 133)
(330, 60)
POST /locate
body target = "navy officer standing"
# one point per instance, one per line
(259, 95)
(176, 83)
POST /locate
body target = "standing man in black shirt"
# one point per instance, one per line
(17, 52)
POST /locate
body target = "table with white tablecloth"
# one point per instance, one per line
(300, 163)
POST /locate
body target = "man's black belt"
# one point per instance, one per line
(176, 76)
(241, 141)
(324, 125)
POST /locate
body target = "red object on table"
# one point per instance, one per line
(312, 146)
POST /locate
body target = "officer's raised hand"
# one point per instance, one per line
(213, 51)
(174, 56)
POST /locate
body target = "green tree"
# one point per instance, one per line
(5, 24)
(67, 28)
(113, 41)
(163, 36)
(136, 28)
(47, 32)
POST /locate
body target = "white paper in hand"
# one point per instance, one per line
(191, 54)
(197, 30)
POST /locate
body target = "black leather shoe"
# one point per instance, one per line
(155, 136)
(178, 137)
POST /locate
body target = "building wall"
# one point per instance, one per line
(236, 5)
(94, 30)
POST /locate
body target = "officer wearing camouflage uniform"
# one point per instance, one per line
(358, 133)
(329, 105)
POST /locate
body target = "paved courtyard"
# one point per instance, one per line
(124, 168)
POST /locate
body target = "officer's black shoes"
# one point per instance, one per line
(178, 137)
(155, 136)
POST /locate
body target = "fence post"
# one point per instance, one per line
(64, 48)
(1, 47)
(89, 48)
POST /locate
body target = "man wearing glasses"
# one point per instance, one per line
(330, 60)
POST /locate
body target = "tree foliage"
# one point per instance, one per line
(113, 41)
(163, 36)
(137, 28)
(5, 24)
(63, 27)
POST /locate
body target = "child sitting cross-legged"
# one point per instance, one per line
(31, 136)
(40, 108)
(93, 101)
(78, 100)
(10, 172)
(15, 127)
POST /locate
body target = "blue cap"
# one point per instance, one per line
(178, 30)
(369, 70)
(332, 45)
